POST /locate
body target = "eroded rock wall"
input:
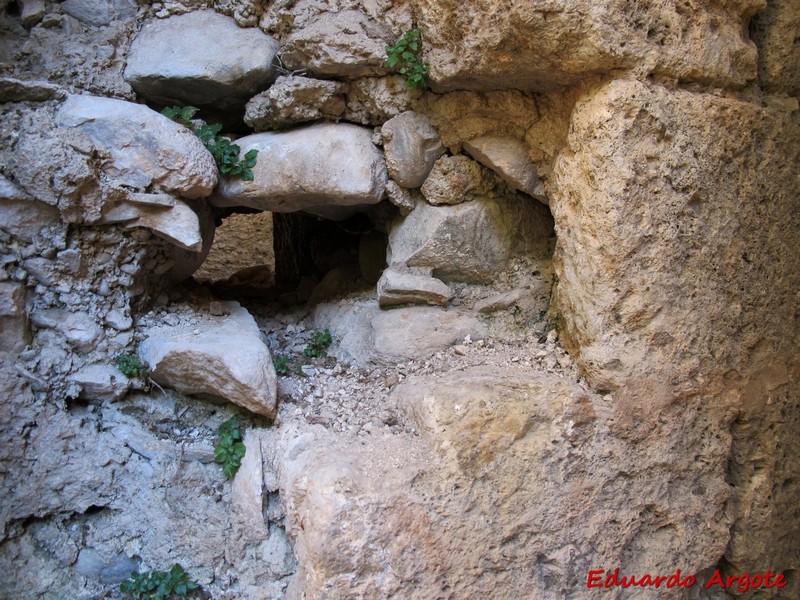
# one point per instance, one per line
(663, 136)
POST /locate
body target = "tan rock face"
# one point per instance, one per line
(660, 213)
(512, 491)
(549, 44)
(775, 32)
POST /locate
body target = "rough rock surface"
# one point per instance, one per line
(101, 382)
(223, 70)
(20, 214)
(345, 43)
(374, 100)
(148, 151)
(411, 146)
(541, 46)
(292, 100)
(457, 179)
(316, 166)
(15, 331)
(509, 159)
(406, 287)
(469, 241)
(224, 356)
(486, 490)
(100, 12)
(654, 178)
(368, 334)
(775, 33)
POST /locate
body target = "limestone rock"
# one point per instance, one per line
(508, 158)
(101, 382)
(775, 33)
(222, 70)
(346, 43)
(20, 214)
(405, 287)
(31, 12)
(100, 12)
(15, 331)
(411, 146)
(531, 46)
(79, 328)
(316, 166)
(225, 358)
(457, 179)
(523, 298)
(291, 100)
(469, 241)
(374, 100)
(148, 151)
(511, 469)
(400, 197)
(178, 224)
(20, 90)
(365, 333)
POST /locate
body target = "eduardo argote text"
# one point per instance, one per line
(600, 578)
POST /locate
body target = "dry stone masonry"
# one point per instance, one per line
(483, 338)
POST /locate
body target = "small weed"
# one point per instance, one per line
(229, 449)
(130, 366)
(281, 364)
(403, 57)
(317, 346)
(225, 152)
(159, 585)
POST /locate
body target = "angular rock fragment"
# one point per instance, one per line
(223, 357)
(100, 12)
(20, 214)
(15, 331)
(19, 90)
(405, 287)
(520, 297)
(400, 197)
(411, 146)
(346, 43)
(508, 158)
(148, 151)
(101, 382)
(223, 70)
(292, 100)
(469, 241)
(374, 100)
(456, 179)
(79, 328)
(325, 165)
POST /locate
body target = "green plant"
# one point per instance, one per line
(318, 344)
(159, 585)
(130, 366)
(229, 449)
(281, 364)
(403, 57)
(225, 152)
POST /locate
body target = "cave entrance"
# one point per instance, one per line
(293, 257)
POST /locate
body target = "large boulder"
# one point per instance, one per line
(325, 165)
(224, 356)
(541, 46)
(469, 241)
(677, 263)
(147, 151)
(222, 68)
(515, 488)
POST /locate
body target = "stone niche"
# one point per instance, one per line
(561, 282)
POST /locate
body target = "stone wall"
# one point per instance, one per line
(659, 142)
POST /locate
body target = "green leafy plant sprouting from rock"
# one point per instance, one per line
(225, 152)
(281, 364)
(159, 585)
(229, 449)
(130, 366)
(318, 344)
(403, 57)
